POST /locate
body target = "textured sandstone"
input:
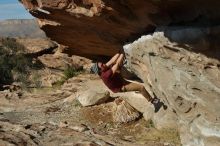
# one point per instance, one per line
(37, 45)
(62, 61)
(112, 24)
(94, 28)
(89, 95)
(92, 97)
(188, 82)
(161, 119)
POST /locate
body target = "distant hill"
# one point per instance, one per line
(22, 28)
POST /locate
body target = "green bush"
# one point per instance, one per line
(13, 59)
(5, 70)
(12, 46)
(150, 124)
(36, 80)
(68, 73)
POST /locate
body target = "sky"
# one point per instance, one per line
(12, 9)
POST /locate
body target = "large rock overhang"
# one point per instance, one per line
(93, 28)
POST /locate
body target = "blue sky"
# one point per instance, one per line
(12, 9)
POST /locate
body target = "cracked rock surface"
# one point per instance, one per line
(188, 82)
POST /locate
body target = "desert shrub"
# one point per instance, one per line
(12, 46)
(68, 73)
(36, 80)
(12, 60)
(20, 63)
(59, 83)
(5, 70)
(23, 79)
(150, 124)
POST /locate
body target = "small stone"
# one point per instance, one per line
(80, 128)
(167, 144)
(63, 124)
(86, 144)
(128, 137)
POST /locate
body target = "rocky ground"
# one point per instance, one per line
(55, 117)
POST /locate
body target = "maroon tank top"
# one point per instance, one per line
(113, 81)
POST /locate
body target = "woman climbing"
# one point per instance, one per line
(110, 74)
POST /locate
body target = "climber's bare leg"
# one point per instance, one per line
(129, 86)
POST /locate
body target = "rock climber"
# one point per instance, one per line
(110, 74)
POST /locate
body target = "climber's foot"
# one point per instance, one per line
(158, 104)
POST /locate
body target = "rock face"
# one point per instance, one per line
(94, 28)
(188, 82)
(37, 45)
(112, 24)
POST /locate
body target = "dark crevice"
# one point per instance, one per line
(134, 36)
(80, 3)
(40, 53)
(28, 127)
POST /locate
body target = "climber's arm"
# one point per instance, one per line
(113, 60)
(115, 68)
(118, 64)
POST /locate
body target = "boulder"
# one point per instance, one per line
(186, 81)
(92, 92)
(62, 61)
(92, 97)
(163, 118)
(37, 46)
